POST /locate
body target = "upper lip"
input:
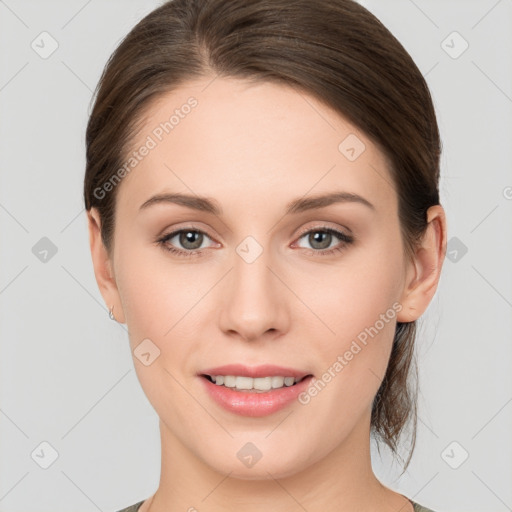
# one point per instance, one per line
(265, 370)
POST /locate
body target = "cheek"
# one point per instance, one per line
(163, 302)
(359, 310)
(352, 295)
(157, 303)
(354, 359)
(155, 292)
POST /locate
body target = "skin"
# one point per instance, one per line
(253, 148)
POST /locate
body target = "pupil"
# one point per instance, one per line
(319, 234)
(188, 238)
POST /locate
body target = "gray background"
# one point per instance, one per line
(67, 377)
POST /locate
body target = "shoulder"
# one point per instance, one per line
(420, 508)
(136, 506)
(132, 508)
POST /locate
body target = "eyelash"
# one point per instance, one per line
(346, 239)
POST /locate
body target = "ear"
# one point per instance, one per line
(103, 267)
(424, 271)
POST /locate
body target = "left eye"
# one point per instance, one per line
(320, 238)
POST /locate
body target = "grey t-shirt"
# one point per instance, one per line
(135, 508)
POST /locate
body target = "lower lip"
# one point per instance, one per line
(247, 403)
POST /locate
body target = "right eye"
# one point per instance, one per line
(191, 239)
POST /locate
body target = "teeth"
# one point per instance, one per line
(248, 383)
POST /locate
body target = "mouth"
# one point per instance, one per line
(254, 385)
(258, 396)
(257, 379)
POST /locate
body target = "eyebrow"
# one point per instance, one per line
(299, 205)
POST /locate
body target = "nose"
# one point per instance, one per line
(254, 299)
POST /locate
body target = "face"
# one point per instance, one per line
(271, 278)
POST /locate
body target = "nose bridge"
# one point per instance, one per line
(254, 301)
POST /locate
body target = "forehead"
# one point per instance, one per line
(241, 141)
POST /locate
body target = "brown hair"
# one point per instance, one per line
(335, 50)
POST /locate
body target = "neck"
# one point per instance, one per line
(342, 481)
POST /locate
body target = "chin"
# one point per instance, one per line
(266, 468)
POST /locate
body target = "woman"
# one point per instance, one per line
(263, 207)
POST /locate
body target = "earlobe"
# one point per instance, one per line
(425, 271)
(102, 264)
